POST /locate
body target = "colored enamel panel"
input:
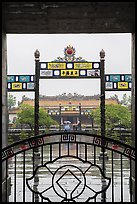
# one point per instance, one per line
(122, 85)
(11, 79)
(115, 78)
(82, 65)
(70, 73)
(128, 77)
(16, 86)
(46, 73)
(55, 65)
(24, 78)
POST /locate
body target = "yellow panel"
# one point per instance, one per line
(85, 65)
(122, 85)
(66, 107)
(53, 113)
(70, 107)
(16, 86)
(56, 65)
(70, 73)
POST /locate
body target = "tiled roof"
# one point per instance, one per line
(93, 103)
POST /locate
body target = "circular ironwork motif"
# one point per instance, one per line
(68, 182)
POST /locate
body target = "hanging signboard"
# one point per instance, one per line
(20, 83)
(118, 82)
(69, 108)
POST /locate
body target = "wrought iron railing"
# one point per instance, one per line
(69, 167)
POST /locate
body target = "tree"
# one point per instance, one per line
(115, 115)
(11, 101)
(26, 116)
(126, 100)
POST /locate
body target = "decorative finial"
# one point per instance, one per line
(102, 53)
(37, 54)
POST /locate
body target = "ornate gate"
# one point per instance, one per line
(69, 167)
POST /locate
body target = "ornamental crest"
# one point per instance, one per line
(69, 55)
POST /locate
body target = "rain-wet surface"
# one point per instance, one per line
(71, 183)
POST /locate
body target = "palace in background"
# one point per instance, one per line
(66, 107)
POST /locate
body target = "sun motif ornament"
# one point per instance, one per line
(69, 52)
(69, 56)
(65, 182)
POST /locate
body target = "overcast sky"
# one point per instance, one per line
(20, 59)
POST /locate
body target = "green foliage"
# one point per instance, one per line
(23, 135)
(118, 114)
(115, 115)
(128, 140)
(10, 139)
(45, 119)
(26, 116)
(11, 101)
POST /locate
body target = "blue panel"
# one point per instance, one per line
(11, 79)
(128, 77)
(24, 78)
(30, 86)
(115, 78)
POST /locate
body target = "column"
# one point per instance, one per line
(132, 179)
(4, 116)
